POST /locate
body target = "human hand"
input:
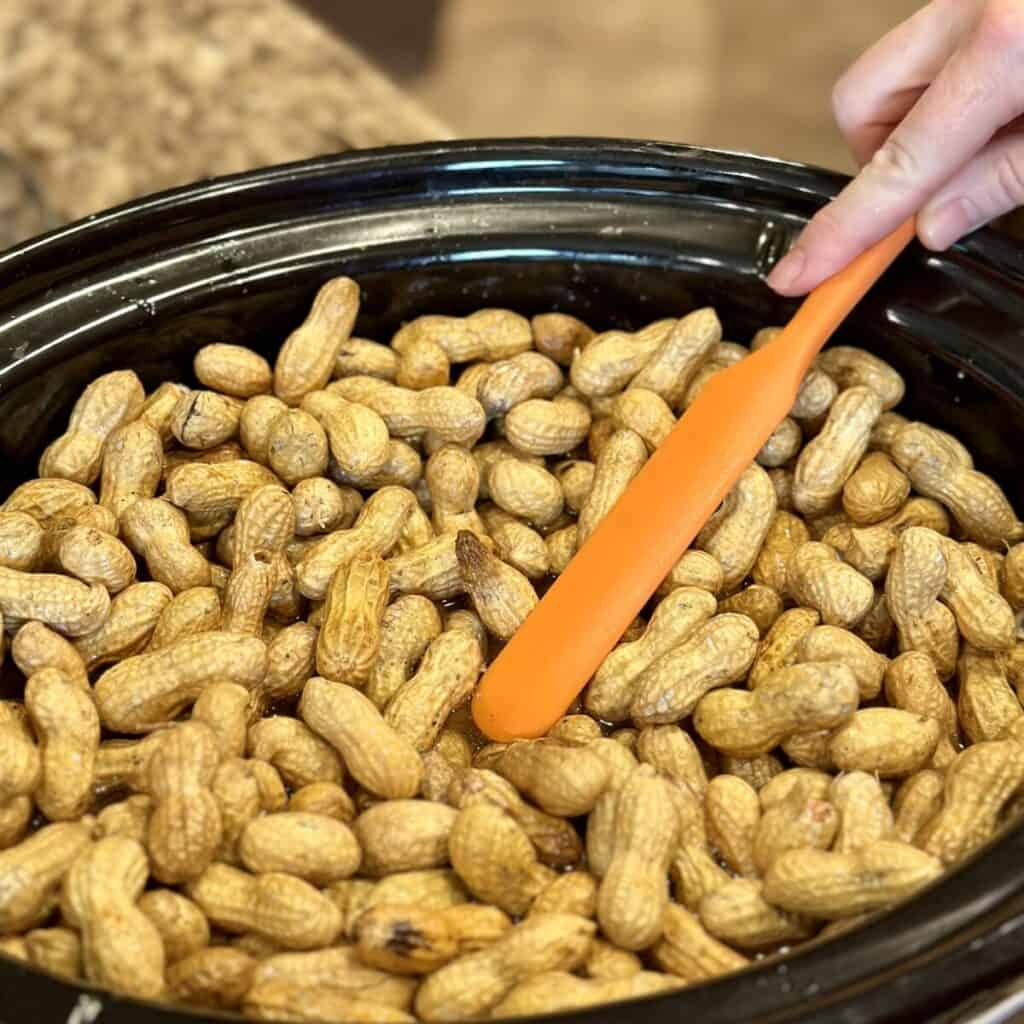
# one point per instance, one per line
(932, 114)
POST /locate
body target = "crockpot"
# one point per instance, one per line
(618, 233)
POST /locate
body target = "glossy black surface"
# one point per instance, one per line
(618, 233)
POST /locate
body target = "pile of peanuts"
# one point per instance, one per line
(250, 614)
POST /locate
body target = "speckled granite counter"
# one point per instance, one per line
(105, 100)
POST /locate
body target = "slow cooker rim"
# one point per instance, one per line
(814, 183)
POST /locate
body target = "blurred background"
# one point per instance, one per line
(739, 74)
(104, 101)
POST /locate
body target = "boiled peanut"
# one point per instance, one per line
(542, 427)
(795, 700)
(864, 813)
(886, 741)
(517, 379)
(121, 948)
(158, 533)
(281, 907)
(978, 784)
(67, 606)
(472, 984)
(184, 830)
(644, 413)
(217, 976)
(799, 820)
(559, 990)
(321, 506)
(519, 545)
(65, 721)
(133, 616)
(562, 779)
(735, 540)
(818, 580)
(361, 357)
(738, 913)
(851, 367)
(984, 616)
(376, 530)
(675, 619)
(404, 835)
(294, 750)
(308, 356)
(181, 924)
(917, 801)
(215, 489)
(613, 358)
(912, 683)
(146, 691)
(689, 952)
(733, 812)
(835, 885)
(633, 897)
(936, 470)
(829, 643)
(673, 753)
(717, 653)
(694, 871)
(447, 674)
(556, 841)
(495, 858)
(559, 335)
(205, 419)
(876, 489)
(233, 370)
(20, 768)
(21, 541)
(377, 756)
(194, 610)
(406, 630)
(107, 403)
(780, 647)
(158, 408)
(96, 557)
(350, 632)
(687, 344)
(502, 596)
(357, 435)
(313, 847)
(782, 445)
(986, 704)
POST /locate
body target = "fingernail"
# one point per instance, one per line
(788, 270)
(941, 227)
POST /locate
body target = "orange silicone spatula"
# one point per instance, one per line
(564, 639)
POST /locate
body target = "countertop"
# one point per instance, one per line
(106, 100)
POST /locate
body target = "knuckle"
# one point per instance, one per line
(895, 162)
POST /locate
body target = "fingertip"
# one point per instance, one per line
(940, 226)
(786, 274)
(796, 274)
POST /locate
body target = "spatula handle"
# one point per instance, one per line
(551, 657)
